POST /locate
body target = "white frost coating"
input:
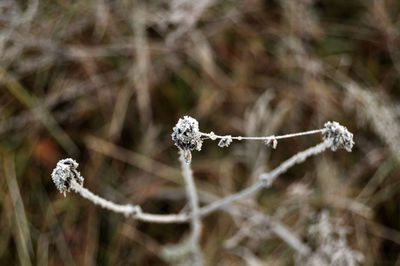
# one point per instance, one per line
(339, 135)
(193, 198)
(127, 209)
(187, 136)
(300, 157)
(66, 177)
(225, 141)
(212, 136)
(64, 173)
(266, 179)
(269, 140)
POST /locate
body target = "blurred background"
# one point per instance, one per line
(105, 81)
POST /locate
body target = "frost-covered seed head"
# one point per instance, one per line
(225, 141)
(186, 134)
(340, 136)
(64, 173)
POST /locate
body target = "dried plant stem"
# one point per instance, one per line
(267, 179)
(206, 210)
(194, 205)
(187, 138)
(286, 136)
(136, 213)
(127, 209)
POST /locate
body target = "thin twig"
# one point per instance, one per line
(187, 137)
(213, 136)
(127, 209)
(266, 179)
(194, 205)
(269, 178)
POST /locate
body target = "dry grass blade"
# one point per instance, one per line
(104, 81)
(21, 227)
(138, 160)
(45, 117)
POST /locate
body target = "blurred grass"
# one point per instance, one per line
(98, 80)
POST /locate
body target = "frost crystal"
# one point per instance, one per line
(225, 141)
(212, 136)
(340, 136)
(63, 174)
(186, 134)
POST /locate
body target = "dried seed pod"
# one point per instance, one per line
(64, 173)
(186, 134)
(225, 141)
(339, 135)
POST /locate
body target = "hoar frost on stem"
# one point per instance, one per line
(187, 137)
(335, 136)
(66, 178)
(193, 199)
